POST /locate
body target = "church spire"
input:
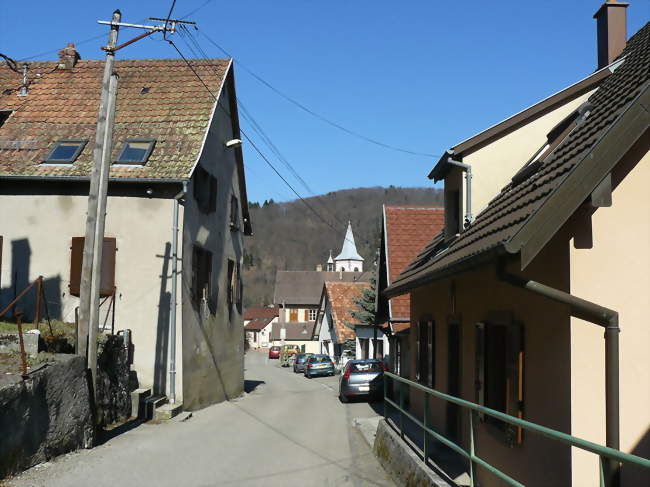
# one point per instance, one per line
(349, 259)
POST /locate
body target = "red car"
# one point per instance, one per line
(274, 352)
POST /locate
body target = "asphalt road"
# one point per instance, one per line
(285, 431)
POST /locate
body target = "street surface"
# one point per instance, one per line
(287, 430)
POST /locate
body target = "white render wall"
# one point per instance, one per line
(37, 232)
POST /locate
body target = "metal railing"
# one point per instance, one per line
(608, 473)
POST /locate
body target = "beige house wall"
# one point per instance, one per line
(45, 225)
(494, 164)
(614, 273)
(547, 382)
(286, 312)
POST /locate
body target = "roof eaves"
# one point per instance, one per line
(403, 286)
(87, 178)
(563, 201)
(511, 123)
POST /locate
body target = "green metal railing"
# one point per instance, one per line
(607, 456)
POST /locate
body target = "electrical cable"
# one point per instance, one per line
(311, 112)
(169, 15)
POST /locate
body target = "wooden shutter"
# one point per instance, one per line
(516, 380)
(107, 284)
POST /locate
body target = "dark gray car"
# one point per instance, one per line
(362, 378)
(301, 360)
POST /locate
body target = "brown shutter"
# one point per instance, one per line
(107, 284)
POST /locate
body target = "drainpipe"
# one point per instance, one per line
(172, 311)
(599, 315)
(468, 183)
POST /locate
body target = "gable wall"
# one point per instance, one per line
(614, 273)
(494, 164)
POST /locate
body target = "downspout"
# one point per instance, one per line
(468, 183)
(172, 315)
(599, 315)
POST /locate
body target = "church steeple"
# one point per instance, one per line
(349, 259)
(330, 263)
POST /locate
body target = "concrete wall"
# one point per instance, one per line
(614, 272)
(547, 383)
(494, 164)
(213, 343)
(38, 229)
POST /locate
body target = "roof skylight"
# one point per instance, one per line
(66, 151)
(136, 151)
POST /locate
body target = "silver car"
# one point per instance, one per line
(301, 360)
(362, 378)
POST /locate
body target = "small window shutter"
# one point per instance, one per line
(107, 284)
(516, 380)
(480, 366)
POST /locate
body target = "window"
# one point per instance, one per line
(425, 360)
(234, 213)
(136, 151)
(499, 373)
(202, 278)
(4, 115)
(107, 284)
(66, 151)
(205, 190)
(312, 314)
(293, 315)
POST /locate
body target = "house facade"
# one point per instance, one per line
(169, 156)
(521, 309)
(405, 231)
(258, 323)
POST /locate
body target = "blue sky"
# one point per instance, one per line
(418, 74)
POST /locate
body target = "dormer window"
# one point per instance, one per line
(65, 151)
(136, 151)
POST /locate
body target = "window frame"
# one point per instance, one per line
(152, 144)
(81, 146)
(234, 213)
(314, 313)
(199, 254)
(204, 181)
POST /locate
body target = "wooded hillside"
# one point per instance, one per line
(288, 236)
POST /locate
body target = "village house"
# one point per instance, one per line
(335, 325)
(520, 309)
(177, 170)
(405, 232)
(258, 323)
(297, 294)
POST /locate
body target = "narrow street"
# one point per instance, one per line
(286, 430)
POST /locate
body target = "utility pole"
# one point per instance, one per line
(98, 193)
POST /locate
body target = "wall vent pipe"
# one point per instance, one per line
(468, 196)
(23, 87)
(599, 315)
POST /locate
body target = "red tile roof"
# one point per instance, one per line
(408, 230)
(257, 324)
(63, 103)
(341, 296)
(261, 312)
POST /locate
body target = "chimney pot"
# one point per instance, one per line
(611, 20)
(68, 57)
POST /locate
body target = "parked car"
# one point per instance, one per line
(274, 352)
(362, 378)
(319, 365)
(288, 354)
(301, 360)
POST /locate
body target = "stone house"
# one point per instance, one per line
(175, 152)
(508, 310)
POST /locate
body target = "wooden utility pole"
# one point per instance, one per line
(94, 240)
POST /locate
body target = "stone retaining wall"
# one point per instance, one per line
(46, 415)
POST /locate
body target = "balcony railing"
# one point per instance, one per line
(609, 458)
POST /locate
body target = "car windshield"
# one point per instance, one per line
(275, 349)
(366, 367)
(320, 359)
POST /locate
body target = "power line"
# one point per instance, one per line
(169, 15)
(311, 112)
(252, 143)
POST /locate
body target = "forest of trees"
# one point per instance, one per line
(288, 236)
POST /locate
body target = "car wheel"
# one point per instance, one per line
(343, 398)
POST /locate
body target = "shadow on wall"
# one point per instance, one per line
(21, 272)
(634, 475)
(162, 328)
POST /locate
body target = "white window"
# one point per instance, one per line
(312, 314)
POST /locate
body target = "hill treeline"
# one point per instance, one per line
(288, 236)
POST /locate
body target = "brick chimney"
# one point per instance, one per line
(68, 57)
(611, 27)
